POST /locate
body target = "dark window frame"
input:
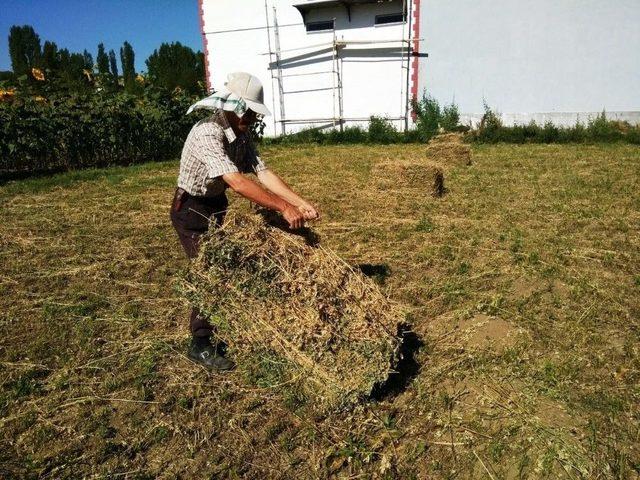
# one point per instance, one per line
(389, 18)
(318, 26)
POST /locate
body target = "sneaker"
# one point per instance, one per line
(206, 355)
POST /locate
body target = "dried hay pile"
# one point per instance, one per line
(449, 149)
(426, 176)
(293, 313)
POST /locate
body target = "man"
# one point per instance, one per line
(216, 155)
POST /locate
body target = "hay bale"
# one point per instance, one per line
(294, 313)
(426, 176)
(449, 149)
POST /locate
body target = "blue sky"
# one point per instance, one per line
(82, 24)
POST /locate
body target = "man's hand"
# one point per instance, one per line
(294, 216)
(308, 211)
(276, 185)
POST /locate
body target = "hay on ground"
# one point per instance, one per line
(425, 176)
(449, 149)
(294, 313)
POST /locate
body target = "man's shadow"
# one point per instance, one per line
(407, 367)
(405, 370)
(378, 272)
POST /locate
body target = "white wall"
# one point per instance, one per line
(373, 81)
(533, 59)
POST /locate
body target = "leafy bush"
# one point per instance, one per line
(427, 116)
(382, 130)
(430, 118)
(450, 118)
(490, 127)
(349, 135)
(601, 129)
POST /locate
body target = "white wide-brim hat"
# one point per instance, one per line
(242, 92)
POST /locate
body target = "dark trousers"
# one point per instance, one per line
(191, 217)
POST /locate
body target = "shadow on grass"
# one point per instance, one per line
(406, 369)
(41, 180)
(377, 271)
(7, 176)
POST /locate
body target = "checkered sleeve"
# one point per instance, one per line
(213, 152)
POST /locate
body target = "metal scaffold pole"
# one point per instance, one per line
(334, 66)
(339, 77)
(403, 86)
(273, 99)
(409, 52)
(279, 71)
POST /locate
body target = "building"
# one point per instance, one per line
(336, 62)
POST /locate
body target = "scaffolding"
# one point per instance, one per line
(337, 118)
(279, 67)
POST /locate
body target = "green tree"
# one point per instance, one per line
(71, 69)
(64, 59)
(175, 65)
(102, 60)
(7, 76)
(114, 65)
(88, 60)
(24, 49)
(127, 60)
(50, 56)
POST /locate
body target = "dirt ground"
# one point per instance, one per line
(522, 282)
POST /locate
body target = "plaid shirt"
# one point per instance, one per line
(212, 150)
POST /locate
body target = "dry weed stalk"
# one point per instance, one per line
(288, 308)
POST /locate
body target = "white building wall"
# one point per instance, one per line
(533, 59)
(373, 81)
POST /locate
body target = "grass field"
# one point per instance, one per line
(523, 283)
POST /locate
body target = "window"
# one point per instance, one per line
(319, 26)
(390, 18)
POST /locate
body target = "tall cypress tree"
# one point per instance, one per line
(127, 59)
(50, 59)
(102, 60)
(88, 60)
(114, 65)
(24, 49)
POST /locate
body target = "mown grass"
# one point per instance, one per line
(523, 283)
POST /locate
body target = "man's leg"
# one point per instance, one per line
(198, 324)
(191, 221)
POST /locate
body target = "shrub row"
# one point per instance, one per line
(598, 129)
(490, 130)
(94, 129)
(91, 130)
(431, 118)
(379, 131)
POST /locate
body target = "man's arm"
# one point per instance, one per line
(276, 185)
(254, 192)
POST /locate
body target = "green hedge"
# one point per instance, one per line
(430, 118)
(598, 129)
(96, 129)
(490, 130)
